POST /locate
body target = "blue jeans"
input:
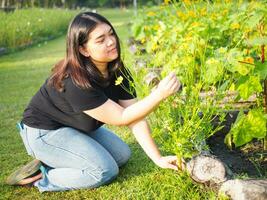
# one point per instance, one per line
(74, 160)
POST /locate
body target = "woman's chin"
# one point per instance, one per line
(111, 58)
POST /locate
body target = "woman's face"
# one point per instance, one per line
(101, 46)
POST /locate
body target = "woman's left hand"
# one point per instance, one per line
(168, 162)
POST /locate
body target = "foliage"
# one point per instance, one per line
(247, 127)
(25, 27)
(21, 75)
(211, 47)
(72, 3)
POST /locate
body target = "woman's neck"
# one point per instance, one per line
(102, 67)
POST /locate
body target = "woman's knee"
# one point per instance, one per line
(126, 154)
(104, 174)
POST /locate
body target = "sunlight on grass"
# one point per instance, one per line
(21, 75)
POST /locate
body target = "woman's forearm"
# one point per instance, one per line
(142, 134)
(114, 114)
(141, 109)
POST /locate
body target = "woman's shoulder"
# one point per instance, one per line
(70, 85)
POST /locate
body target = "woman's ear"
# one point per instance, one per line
(83, 51)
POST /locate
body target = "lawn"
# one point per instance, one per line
(21, 75)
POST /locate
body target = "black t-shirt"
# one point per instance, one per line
(50, 109)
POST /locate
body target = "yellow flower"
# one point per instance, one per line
(245, 51)
(192, 13)
(146, 28)
(143, 40)
(235, 26)
(212, 61)
(166, 2)
(225, 12)
(154, 47)
(249, 60)
(119, 80)
(203, 12)
(179, 14)
(214, 16)
(187, 2)
(247, 30)
(151, 14)
(188, 36)
(184, 46)
(195, 24)
(156, 27)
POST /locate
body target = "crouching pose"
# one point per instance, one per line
(62, 125)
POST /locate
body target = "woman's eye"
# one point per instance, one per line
(100, 41)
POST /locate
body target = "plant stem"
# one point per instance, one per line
(264, 96)
(262, 53)
(265, 110)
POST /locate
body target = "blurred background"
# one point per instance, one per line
(9, 5)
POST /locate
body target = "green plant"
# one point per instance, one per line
(247, 127)
(209, 52)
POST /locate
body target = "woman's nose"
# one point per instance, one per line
(110, 42)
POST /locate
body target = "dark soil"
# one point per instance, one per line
(249, 159)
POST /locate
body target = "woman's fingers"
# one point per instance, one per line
(176, 87)
(172, 162)
(183, 165)
(168, 85)
(171, 158)
(172, 82)
(172, 166)
(168, 78)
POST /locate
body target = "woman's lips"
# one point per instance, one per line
(112, 50)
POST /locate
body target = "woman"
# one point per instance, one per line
(62, 125)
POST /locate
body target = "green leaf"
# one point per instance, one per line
(242, 137)
(228, 140)
(213, 71)
(247, 127)
(257, 41)
(254, 20)
(242, 69)
(261, 70)
(257, 120)
(248, 86)
(232, 59)
(136, 29)
(224, 86)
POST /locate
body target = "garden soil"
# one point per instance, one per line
(250, 160)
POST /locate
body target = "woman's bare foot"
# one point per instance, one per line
(25, 174)
(30, 180)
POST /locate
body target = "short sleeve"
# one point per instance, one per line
(125, 85)
(83, 99)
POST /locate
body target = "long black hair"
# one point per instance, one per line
(80, 68)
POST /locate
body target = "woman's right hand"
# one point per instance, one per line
(168, 86)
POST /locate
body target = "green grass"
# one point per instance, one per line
(27, 26)
(21, 75)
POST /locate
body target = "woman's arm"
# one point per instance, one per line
(142, 133)
(114, 114)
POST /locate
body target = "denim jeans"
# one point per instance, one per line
(74, 160)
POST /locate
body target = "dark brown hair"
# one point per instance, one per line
(80, 68)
